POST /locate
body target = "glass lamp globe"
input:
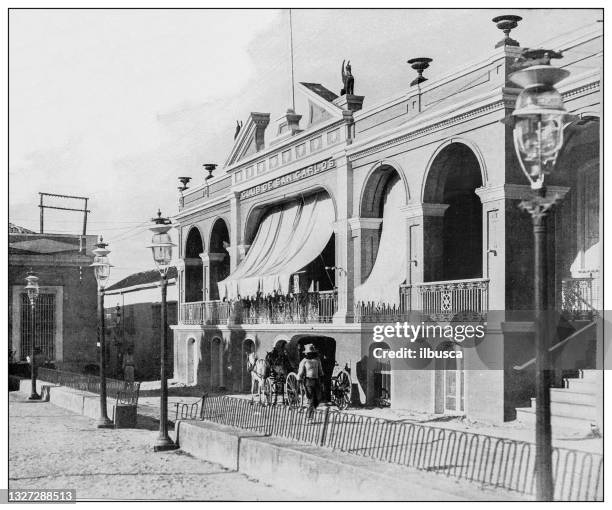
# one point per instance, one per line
(32, 287)
(161, 243)
(101, 263)
(539, 117)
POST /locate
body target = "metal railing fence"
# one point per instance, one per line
(491, 461)
(91, 383)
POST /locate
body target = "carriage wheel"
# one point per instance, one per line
(343, 390)
(268, 388)
(292, 390)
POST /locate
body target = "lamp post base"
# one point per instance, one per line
(105, 423)
(164, 444)
(34, 396)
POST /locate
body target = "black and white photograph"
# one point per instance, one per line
(304, 253)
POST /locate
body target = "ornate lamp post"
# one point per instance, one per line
(33, 290)
(102, 265)
(539, 117)
(161, 247)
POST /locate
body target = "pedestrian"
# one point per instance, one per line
(128, 365)
(311, 372)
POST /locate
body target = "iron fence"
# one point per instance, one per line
(489, 460)
(90, 383)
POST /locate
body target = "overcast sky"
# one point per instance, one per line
(116, 104)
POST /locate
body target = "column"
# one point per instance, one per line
(365, 234)
(209, 274)
(344, 241)
(344, 271)
(235, 232)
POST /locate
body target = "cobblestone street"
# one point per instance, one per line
(53, 448)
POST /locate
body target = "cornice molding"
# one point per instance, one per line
(514, 192)
(507, 100)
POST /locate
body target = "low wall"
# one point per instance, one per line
(319, 473)
(79, 402)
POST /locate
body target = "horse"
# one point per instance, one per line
(260, 370)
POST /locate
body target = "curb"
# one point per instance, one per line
(321, 474)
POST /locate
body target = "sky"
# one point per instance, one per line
(114, 105)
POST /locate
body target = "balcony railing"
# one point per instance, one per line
(307, 307)
(205, 312)
(463, 300)
(310, 307)
(578, 298)
(372, 311)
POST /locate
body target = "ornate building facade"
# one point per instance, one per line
(372, 214)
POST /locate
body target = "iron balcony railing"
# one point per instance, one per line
(205, 312)
(578, 298)
(453, 300)
(306, 307)
(489, 460)
(90, 383)
(302, 308)
(436, 301)
(373, 311)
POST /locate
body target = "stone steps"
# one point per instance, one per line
(560, 424)
(573, 408)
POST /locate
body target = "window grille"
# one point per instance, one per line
(43, 324)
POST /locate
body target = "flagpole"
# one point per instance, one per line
(292, 77)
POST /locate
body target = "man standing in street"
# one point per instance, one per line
(311, 372)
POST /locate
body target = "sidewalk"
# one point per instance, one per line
(51, 448)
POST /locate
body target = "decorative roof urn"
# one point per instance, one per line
(419, 64)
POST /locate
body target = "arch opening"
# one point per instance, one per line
(191, 362)
(193, 266)
(454, 239)
(383, 245)
(292, 251)
(248, 346)
(216, 363)
(219, 265)
(375, 189)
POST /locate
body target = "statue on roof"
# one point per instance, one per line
(238, 128)
(348, 80)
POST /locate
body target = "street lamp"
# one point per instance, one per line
(102, 265)
(161, 248)
(32, 290)
(539, 117)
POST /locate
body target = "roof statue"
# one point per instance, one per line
(238, 128)
(348, 80)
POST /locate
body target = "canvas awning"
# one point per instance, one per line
(289, 237)
(389, 271)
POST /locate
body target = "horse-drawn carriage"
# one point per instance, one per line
(275, 376)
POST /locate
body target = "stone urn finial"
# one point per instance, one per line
(506, 23)
(419, 64)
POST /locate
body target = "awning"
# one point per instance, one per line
(389, 271)
(289, 237)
